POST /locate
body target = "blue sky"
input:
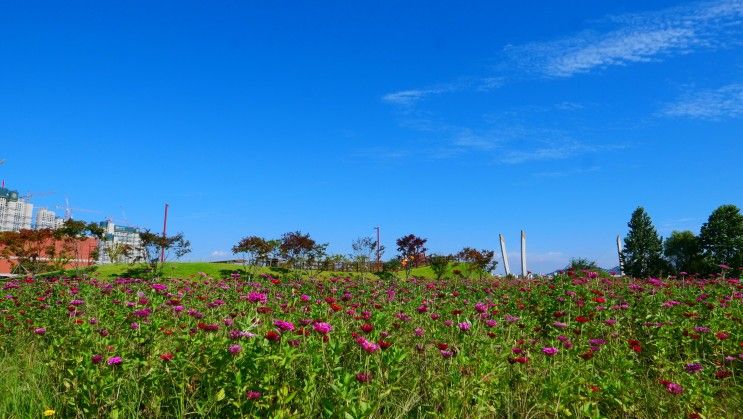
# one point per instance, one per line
(452, 121)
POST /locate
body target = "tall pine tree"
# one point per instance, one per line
(642, 247)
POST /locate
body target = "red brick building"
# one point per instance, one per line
(85, 249)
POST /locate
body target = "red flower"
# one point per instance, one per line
(582, 319)
(518, 360)
(587, 355)
(363, 377)
(384, 344)
(367, 327)
(442, 346)
(722, 335)
(273, 336)
(721, 374)
(166, 357)
(600, 300)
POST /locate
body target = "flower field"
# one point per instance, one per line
(575, 345)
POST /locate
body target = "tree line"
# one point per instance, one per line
(298, 250)
(718, 246)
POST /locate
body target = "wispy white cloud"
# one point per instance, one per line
(722, 103)
(220, 253)
(568, 172)
(634, 38)
(410, 97)
(555, 150)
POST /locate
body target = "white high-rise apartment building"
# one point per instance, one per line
(115, 237)
(15, 212)
(48, 219)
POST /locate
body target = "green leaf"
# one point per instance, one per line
(220, 395)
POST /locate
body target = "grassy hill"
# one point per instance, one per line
(221, 270)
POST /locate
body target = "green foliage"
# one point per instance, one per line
(439, 264)
(643, 247)
(682, 252)
(257, 248)
(721, 237)
(583, 264)
(476, 261)
(154, 245)
(177, 365)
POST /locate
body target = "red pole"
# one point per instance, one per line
(165, 229)
(377, 248)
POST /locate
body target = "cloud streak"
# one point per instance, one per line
(634, 38)
(725, 102)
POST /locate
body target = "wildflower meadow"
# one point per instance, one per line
(574, 345)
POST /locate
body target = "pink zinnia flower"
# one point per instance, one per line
(40, 331)
(674, 388)
(464, 326)
(284, 326)
(322, 328)
(368, 346)
(363, 377)
(235, 349)
(253, 395)
(114, 360)
(550, 351)
(257, 297)
(693, 368)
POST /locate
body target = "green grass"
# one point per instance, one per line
(221, 270)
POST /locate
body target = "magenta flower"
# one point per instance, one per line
(693, 368)
(491, 323)
(464, 326)
(253, 395)
(366, 345)
(322, 328)
(235, 349)
(550, 351)
(284, 326)
(159, 287)
(114, 360)
(481, 307)
(446, 353)
(674, 388)
(363, 377)
(257, 297)
(40, 331)
(96, 359)
(419, 332)
(134, 325)
(305, 297)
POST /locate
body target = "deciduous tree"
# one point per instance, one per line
(721, 237)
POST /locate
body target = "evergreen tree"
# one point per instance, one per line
(721, 237)
(642, 247)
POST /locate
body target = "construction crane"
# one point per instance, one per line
(68, 210)
(29, 195)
